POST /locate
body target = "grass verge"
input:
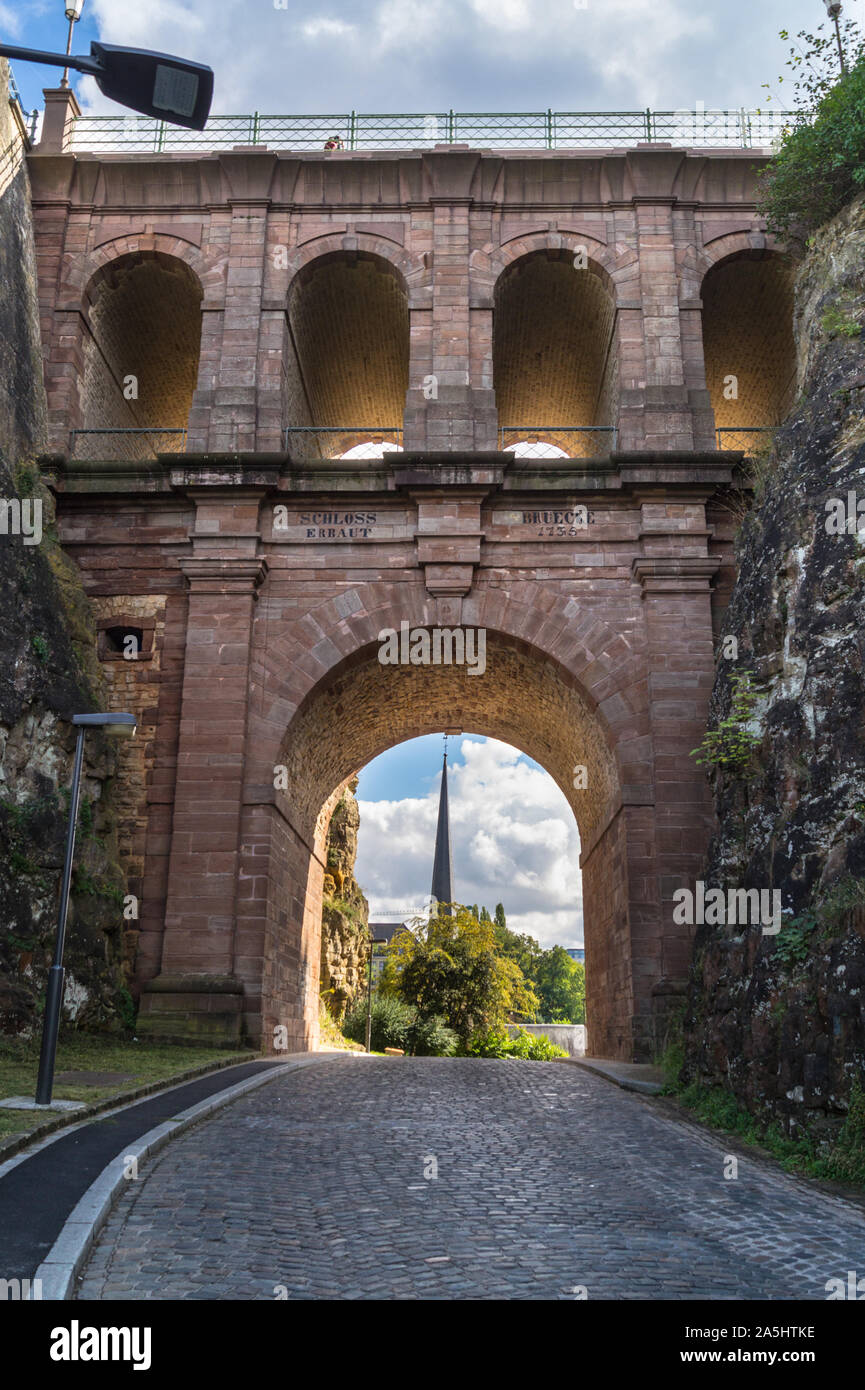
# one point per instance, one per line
(144, 1063)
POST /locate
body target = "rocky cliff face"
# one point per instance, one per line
(780, 1018)
(48, 671)
(344, 931)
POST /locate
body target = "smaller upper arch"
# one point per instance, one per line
(84, 273)
(744, 244)
(494, 262)
(410, 271)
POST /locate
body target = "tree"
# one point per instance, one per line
(500, 920)
(560, 984)
(452, 967)
(820, 164)
(522, 949)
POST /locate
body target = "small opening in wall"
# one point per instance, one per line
(128, 641)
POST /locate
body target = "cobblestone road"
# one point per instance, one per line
(548, 1179)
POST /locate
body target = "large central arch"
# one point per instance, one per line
(359, 709)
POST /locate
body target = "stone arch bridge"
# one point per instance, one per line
(296, 399)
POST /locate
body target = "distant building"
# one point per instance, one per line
(382, 934)
(577, 953)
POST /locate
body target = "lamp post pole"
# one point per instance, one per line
(57, 974)
(73, 14)
(369, 997)
(121, 725)
(833, 8)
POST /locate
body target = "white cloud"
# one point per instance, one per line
(10, 20)
(514, 841)
(487, 55)
(331, 28)
(504, 14)
(142, 25)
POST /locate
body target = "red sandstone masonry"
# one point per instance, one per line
(600, 646)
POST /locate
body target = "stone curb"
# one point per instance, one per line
(14, 1143)
(57, 1272)
(611, 1071)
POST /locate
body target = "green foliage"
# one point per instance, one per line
(560, 984)
(823, 919)
(397, 1024)
(730, 747)
(793, 942)
(85, 885)
(40, 646)
(489, 1042)
(531, 1047)
(451, 966)
(836, 322)
(841, 1161)
(431, 1037)
(846, 1161)
(820, 165)
(497, 1043)
(348, 909)
(391, 1021)
(126, 1008)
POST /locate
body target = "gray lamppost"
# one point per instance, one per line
(833, 9)
(73, 14)
(121, 726)
(373, 941)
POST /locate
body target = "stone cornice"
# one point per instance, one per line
(220, 575)
(638, 475)
(675, 573)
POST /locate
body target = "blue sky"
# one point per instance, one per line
(473, 55)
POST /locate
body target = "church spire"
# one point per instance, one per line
(443, 872)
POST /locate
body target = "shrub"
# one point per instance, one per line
(492, 1043)
(820, 166)
(731, 745)
(528, 1047)
(534, 1047)
(391, 1021)
(396, 1024)
(431, 1037)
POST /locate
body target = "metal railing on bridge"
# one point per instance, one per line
(125, 445)
(746, 439)
(30, 118)
(529, 130)
(549, 442)
(342, 441)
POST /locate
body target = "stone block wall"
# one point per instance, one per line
(418, 288)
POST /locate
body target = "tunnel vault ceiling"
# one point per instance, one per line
(349, 321)
(552, 336)
(748, 333)
(522, 699)
(145, 321)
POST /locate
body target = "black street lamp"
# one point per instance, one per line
(121, 726)
(157, 84)
(833, 9)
